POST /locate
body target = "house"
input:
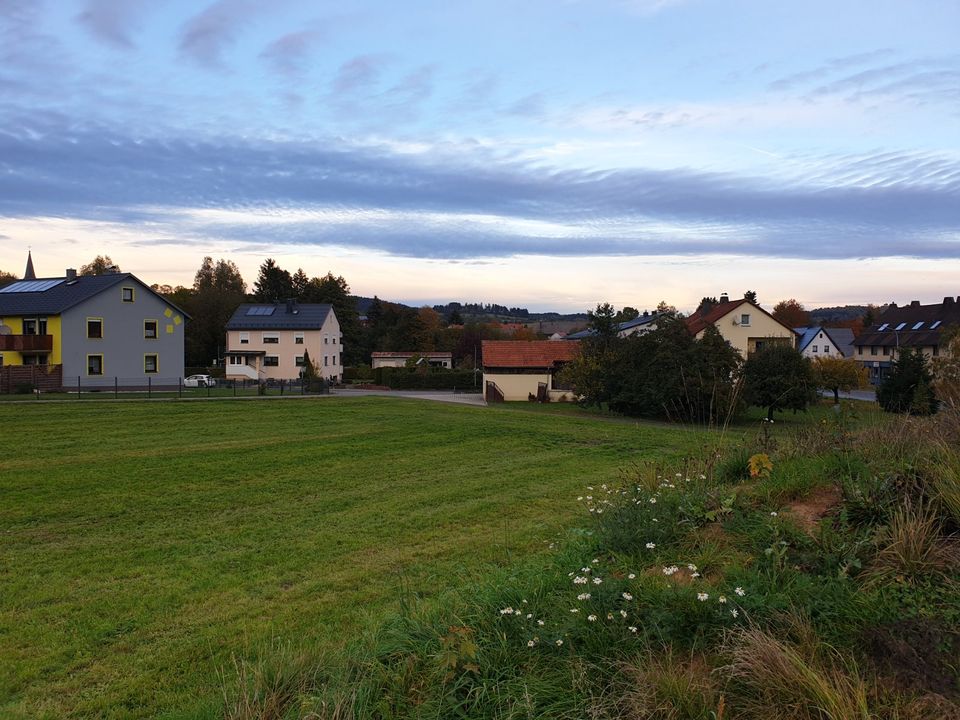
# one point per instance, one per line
(641, 324)
(88, 329)
(818, 341)
(519, 369)
(399, 359)
(268, 341)
(914, 326)
(743, 324)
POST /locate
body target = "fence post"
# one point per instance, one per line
(78, 387)
(149, 387)
(208, 388)
(179, 388)
(116, 388)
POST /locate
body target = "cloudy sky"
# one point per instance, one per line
(545, 153)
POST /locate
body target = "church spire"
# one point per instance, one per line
(29, 274)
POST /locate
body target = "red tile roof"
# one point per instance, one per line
(698, 322)
(411, 353)
(528, 353)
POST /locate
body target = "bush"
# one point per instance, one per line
(909, 386)
(432, 379)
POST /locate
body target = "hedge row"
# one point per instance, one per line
(435, 379)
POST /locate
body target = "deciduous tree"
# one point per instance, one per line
(100, 265)
(791, 313)
(836, 374)
(778, 377)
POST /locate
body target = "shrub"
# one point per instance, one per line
(778, 377)
(909, 386)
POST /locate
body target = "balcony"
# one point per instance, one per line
(26, 343)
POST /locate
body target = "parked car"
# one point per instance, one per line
(200, 381)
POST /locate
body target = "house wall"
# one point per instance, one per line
(388, 362)
(15, 323)
(324, 345)
(519, 386)
(123, 344)
(744, 338)
(820, 342)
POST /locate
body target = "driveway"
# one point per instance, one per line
(448, 396)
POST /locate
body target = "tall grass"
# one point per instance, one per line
(911, 548)
(271, 686)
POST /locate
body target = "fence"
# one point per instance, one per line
(50, 386)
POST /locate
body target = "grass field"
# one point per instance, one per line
(146, 544)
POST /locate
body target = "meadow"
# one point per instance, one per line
(147, 546)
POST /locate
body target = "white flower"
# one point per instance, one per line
(773, 514)
(702, 477)
(589, 487)
(703, 597)
(583, 596)
(591, 618)
(670, 570)
(694, 574)
(653, 501)
(507, 611)
(579, 580)
(529, 615)
(739, 591)
(692, 567)
(596, 560)
(609, 616)
(733, 611)
(679, 475)
(580, 498)
(541, 623)
(589, 497)
(600, 512)
(531, 643)
(597, 581)
(721, 600)
(632, 576)
(574, 610)
(627, 596)
(651, 545)
(623, 613)
(559, 642)
(518, 611)
(632, 629)
(585, 569)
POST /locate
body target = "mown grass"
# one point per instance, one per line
(147, 546)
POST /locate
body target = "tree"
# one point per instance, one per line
(455, 318)
(300, 282)
(218, 288)
(836, 374)
(101, 265)
(870, 316)
(628, 313)
(603, 323)
(909, 386)
(751, 295)
(664, 307)
(274, 284)
(791, 313)
(778, 377)
(335, 291)
(7, 278)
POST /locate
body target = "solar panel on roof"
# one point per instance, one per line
(260, 310)
(935, 325)
(24, 286)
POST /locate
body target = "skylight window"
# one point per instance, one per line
(884, 326)
(901, 326)
(935, 325)
(25, 286)
(917, 326)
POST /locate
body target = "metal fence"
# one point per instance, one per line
(81, 388)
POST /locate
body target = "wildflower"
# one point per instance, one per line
(574, 610)
(739, 591)
(529, 616)
(692, 567)
(668, 571)
(580, 498)
(773, 514)
(559, 642)
(579, 580)
(585, 569)
(653, 501)
(597, 581)
(623, 613)
(702, 477)
(600, 512)
(733, 611)
(655, 520)
(596, 560)
(609, 616)
(627, 596)
(722, 600)
(632, 576)
(589, 487)
(531, 643)
(541, 623)
(679, 475)
(518, 612)
(651, 545)
(507, 611)
(702, 597)
(583, 596)
(592, 618)
(694, 574)
(632, 629)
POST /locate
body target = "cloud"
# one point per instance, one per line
(462, 202)
(831, 67)
(113, 21)
(288, 53)
(205, 36)
(358, 74)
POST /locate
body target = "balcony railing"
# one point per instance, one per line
(26, 343)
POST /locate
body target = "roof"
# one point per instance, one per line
(842, 338)
(53, 296)
(912, 325)
(698, 322)
(638, 321)
(279, 316)
(527, 353)
(411, 353)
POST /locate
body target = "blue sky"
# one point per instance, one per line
(548, 154)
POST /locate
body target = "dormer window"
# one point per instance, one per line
(883, 327)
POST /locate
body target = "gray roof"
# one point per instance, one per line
(842, 338)
(61, 294)
(639, 321)
(281, 316)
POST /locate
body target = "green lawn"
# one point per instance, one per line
(144, 544)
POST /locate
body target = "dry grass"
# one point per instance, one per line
(666, 686)
(911, 548)
(271, 687)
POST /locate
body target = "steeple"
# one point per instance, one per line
(29, 274)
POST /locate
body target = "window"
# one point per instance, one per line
(126, 294)
(42, 326)
(826, 348)
(236, 359)
(271, 339)
(326, 340)
(859, 349)
(151, 363)
(326, 360)
(745, 319)
(298, 361)
(886, 350)
(901, 326)
(29, 327)
(95, 329)
(883, 327)
(245, 338)
(94, 364)
(271, 361)
(935, 325)
(814, 348)
(936, 350)
(150, 329)
(334, 341)
(298, 338)
(917, 326)
(333, 359)
(873, 349)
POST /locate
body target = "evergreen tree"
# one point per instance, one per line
(909, 386)
(751, 295)
(274, 284)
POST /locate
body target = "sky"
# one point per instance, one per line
(549, 154)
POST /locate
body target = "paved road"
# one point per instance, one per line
(868, 395)
(436, 395)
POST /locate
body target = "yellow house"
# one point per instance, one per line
(743, 324)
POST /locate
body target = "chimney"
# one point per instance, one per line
(71, 274)
(289, 306)
(914, 303)
(724, 297)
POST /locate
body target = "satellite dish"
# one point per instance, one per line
(6, 330)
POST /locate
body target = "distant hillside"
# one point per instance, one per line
(842, 313)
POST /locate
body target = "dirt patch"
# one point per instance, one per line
(919, 654)
(808, 512)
